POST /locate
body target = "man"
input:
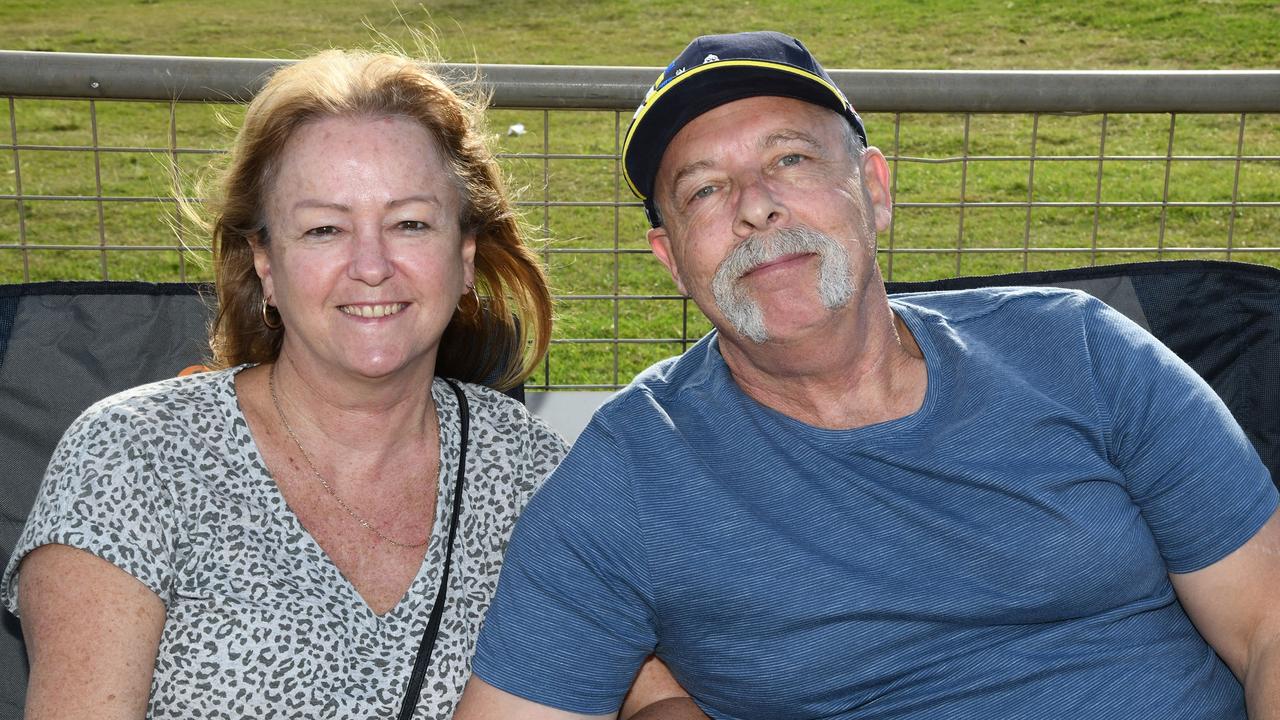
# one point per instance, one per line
(1005, 503)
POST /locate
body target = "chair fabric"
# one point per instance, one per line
(65, 345)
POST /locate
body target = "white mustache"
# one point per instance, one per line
(761, 249)
(835, 285)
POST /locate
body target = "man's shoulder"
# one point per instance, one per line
(958, 306)
(667, 383)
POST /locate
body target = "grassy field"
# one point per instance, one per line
(1209, 34)
(581, 241)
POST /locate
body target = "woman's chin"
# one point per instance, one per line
(383, 367)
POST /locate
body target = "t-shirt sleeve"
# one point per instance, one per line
(1201, 487)
(101, 494)
(573, 616)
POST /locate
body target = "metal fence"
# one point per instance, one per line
(993, 172)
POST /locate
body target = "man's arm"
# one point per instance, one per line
(655, 695)
(1235, 604)
(672, 709)
(482, 701)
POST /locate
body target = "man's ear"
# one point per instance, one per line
(875, 178)
(660, 243)
(262, 264)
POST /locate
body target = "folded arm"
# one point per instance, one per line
(92, 633)
(1235, 604)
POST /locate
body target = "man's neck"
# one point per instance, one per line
(862, 368)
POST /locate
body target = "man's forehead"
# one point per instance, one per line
(751, 122)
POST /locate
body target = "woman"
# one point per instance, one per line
(269, 539)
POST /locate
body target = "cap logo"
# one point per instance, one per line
(710, 58)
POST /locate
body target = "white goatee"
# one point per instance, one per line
(835, 282)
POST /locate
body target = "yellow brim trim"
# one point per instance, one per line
(657, 95)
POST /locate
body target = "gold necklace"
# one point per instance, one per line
(275, 400)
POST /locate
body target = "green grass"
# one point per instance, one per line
(931, 150)
(871, 34)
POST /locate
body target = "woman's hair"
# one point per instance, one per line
(498, 341)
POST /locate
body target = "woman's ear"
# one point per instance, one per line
(469, 260)
(262, 263)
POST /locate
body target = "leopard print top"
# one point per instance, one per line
(165, 482)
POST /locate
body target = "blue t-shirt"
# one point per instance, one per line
(1000, 553)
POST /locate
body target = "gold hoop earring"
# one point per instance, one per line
(475, 298)
(266, 316)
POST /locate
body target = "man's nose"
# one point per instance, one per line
(759, 207)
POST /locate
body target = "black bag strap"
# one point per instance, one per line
(437, 610)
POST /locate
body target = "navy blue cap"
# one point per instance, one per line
(714, 70)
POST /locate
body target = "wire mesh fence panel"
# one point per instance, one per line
(1133, 169)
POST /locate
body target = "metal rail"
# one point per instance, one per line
(160, 77)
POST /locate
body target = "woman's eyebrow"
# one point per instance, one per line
(306, 204)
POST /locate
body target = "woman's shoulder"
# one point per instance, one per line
(484, 403)
(163, 401)
(504, 420)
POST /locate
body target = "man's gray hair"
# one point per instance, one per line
(852, 143)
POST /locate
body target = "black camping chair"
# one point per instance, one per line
(63, 346)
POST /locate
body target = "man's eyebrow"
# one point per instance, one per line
(785, 136)
(688, 170)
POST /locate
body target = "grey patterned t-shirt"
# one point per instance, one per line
(165, 482)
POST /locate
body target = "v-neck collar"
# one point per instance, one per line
(426, 580)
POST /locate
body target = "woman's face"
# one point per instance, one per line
(366, 261)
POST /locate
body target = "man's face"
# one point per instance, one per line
(768, 223)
